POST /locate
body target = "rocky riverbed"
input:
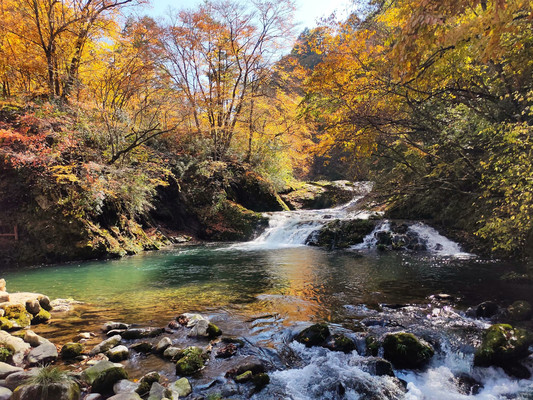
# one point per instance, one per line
(380, 355)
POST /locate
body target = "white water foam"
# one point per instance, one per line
(435, 242)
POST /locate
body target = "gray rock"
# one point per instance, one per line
(33, 339)
(109, 326)
(125, 386)
(125, 396)
(5, 393)
(43, 354)
(6, 370)
(142, 347)
(94, 396)
(118, 353)
(163, 344)
(172, 352)
(18, 378)
(106, 345)
(159, 392)
(140, 333)
(44, 302)
(15, 344)
(33, 306)
(181, 388)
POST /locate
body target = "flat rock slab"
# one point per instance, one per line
(43, 354)
(6, 370)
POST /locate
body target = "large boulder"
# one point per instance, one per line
(314, 335)
(16, 379)
(52, 391)
(190, 361)
(44, 354)
(103, 375)
(405, 350)
(503, 346)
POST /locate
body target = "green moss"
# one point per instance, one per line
(5, 353)
(343, 343)
(191, 361)
(5, 324)
(42, 317)
(502, 344)
(405, 350)
(213, 331)
(18, 315)
(71, 350)
(244, 377)
(314, 335)
(372, 345)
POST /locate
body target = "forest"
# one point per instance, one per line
(107, 113)
(218, 203)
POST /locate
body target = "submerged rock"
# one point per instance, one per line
(503, 346)
(405, 350)
(314, 335)
(111, 325)
(227, 351)
(191, 361)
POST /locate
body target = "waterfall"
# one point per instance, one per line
(292, 228)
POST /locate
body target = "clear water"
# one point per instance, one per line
(268, 293)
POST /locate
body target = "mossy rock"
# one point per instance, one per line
(342, 234)
(60, 391)
(42, 317)
(372, 345)
(190, 362)
(71, 350)
(315, 335)
(5, 353)
(5, 324)
(260, 380)
(234, 222)
(103, 375)
(213, 331)
(405, 350)
(503, 345)
(342, 343)
(519, 311)
(244, 377)
(18, 316)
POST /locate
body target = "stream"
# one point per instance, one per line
(267, 290)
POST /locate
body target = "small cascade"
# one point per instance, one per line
(417, 236)
(293, 228)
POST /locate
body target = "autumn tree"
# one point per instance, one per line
(217, 57)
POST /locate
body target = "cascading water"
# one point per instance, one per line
(293, 228)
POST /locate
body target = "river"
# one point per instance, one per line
(267, 290)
